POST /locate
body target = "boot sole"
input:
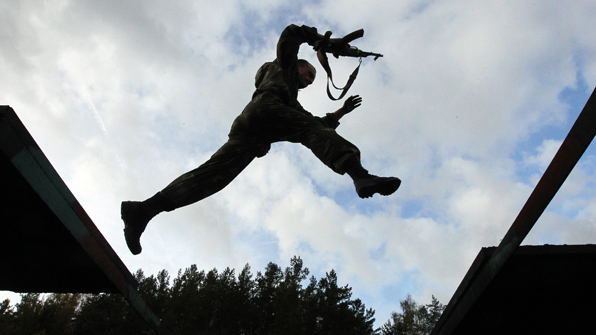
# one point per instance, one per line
(385, 188)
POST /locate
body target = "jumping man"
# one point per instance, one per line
(273, 115)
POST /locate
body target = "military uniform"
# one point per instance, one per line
(274, 114)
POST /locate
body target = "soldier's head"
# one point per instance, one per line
(306, 73)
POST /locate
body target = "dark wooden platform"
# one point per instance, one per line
(50, 244)
(532, 290)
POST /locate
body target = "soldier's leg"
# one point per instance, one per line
(278, 122)
(343, 157)
(212, 176)
(209, 178)
(285, 124)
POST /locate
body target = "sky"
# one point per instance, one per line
(468, 106)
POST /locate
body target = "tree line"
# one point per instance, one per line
(275, 301)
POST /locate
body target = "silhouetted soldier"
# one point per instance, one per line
(273, 115)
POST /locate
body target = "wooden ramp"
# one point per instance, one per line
(495, 295)
(50, 244)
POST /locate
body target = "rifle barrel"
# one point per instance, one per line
(350, 51)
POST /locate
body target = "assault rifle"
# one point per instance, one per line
(350, 51)
(340, 47)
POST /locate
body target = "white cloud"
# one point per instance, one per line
(546, 153)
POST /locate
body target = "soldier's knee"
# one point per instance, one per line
(262, 150)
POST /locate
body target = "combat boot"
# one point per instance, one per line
(137, 214)
(368, 185)
(135, 219)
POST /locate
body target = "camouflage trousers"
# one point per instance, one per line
(265, 120)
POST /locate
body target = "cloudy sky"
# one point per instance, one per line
(468, 106)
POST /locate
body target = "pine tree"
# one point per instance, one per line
(414, 319)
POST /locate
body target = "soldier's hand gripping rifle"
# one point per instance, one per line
(341, 47)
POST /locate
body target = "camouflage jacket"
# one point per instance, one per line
(280, 76)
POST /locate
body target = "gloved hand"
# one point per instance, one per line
(327, 43)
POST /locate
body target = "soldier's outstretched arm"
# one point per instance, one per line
(350, 104)
(291, 39)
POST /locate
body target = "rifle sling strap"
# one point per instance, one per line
(322, 56)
